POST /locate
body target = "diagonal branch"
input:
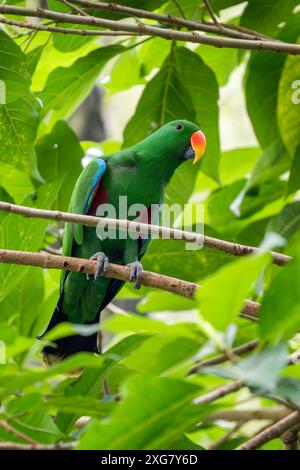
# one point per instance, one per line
(154, 31)
(291, 437)
(115, 271)
(58, 29)
(272, 432)
(169, 19)
(238, 351)
(155, 231)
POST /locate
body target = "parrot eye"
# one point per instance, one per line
(178, 127)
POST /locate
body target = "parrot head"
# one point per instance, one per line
(174, 143)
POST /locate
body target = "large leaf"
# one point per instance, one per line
(18, 116)
(170, 257)
(21, 305)
(288, 105)
(265, 16)
(152, 415)
(90, 383)
(260, 371)
(66, 87)
(262, 82)
(26, 234)
(15, 182)
(164, 99)
(272, 163)
(222, 295)
(280, 310)
(59, 156)
(200, 82)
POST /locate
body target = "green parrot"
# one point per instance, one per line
(140, 173)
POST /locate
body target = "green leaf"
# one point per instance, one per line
(259, 371)
(67, 87)
(200, 82)
(18, 116)
(221, 61)
(171, 258)
(72, 42)
(272, 163)
(190, 9)
(294, 178)
(15, 182)
(25, 234)
(125, 72)
(287, 222)
(59, 156)
(164, 301)
(288, 388)
(184, 444)
(148, 326)
(163, 354)
(90, 383)
(261, 87)
(265, 16)
(222, 295)
(153, 413)
(21, 304)
(164, 99)
(279, 313)
(288, 109)
(14, 74)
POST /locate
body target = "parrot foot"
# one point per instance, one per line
(136, 270)
(101, 264)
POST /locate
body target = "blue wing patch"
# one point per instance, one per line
(95, 183)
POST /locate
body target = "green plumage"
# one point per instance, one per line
(140, 173)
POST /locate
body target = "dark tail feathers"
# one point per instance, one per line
(65, 347)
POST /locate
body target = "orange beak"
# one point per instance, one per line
(198, 143)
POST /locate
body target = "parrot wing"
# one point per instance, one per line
(81, 201)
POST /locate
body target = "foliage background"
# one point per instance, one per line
(70, 98)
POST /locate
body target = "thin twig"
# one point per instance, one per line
(211, 13)
(11, 430)
(75, 8)
(16, 446)
(272, 413)
(170, 19)
(115, 271)
(155, 231)
(154, 31)
(238, 351)
(58, 29)
(219, 392)
(222, 440)
(272, 432)
(290, 438)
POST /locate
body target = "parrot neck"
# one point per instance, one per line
(157, 163)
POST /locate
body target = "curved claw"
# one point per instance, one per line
(101, 264)
(136, 270)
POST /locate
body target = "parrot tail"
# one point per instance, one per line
(65, 347)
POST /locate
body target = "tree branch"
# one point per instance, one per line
(219, 392)
(272, 413)
(154, 31)
(272, 432)
(291, 437)
(58, 29)
(17, 446)
(9, 429)
(155, 231)
(115, 271)
(238, 351)
(169, 19)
